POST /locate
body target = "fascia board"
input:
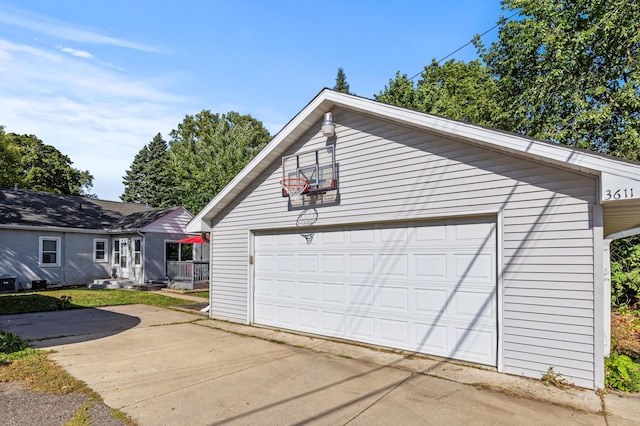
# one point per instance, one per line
(55, 229)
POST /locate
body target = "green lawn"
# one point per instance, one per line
(53, 300)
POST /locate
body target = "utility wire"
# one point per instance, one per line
(502, 21)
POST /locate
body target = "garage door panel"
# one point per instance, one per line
(394, 332)
(474, 266)
(430, 300)
(361, 264)
(264, 287)
(333, 264)
(395, 265)
(473, 343)
(431, 233)
(474, 305)
(394, 298)
(333, 293)
(285, 289)
(308, 291)
(285, 262)
(363, 295)
(308, 318)
(286, 315)
(308, 263)
(362, 327)
(333, 323)
(427, 287)
(431, 338)
(431, 265)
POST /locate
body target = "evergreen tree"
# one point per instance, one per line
(135, 179)
(160, 182)
(341, 82)
(149, 180)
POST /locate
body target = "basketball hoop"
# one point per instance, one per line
(294, 187)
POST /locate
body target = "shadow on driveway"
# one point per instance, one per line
(70, 325)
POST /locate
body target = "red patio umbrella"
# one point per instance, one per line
(195, 240)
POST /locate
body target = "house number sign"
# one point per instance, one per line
(618, 194)
(617, 187)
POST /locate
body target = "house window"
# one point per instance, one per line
(49, 252)
(99, 250)
(137, 251)
(179, 251)
(116, 252)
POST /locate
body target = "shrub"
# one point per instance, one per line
(622, 373)
(625, 271)
(11, 342)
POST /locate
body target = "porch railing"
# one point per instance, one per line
(191, 271)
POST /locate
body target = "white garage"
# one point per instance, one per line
(428, 287)
(404, 230)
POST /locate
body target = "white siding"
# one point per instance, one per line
(390, 173)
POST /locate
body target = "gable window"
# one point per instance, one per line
(137, 251)
(99, 250)
(49, 251)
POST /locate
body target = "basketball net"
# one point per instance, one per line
(294, 187)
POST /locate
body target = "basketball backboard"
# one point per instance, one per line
(317, 166)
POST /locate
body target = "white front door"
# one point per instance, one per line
(124, 258)
(428, 287)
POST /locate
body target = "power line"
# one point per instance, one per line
(502, 21)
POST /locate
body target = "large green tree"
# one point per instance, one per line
(568, 71)
(10, 172)
(150, 180)
(32, 164)
(207, 150)
(458, 90)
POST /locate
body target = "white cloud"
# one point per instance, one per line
(74, 52)
(100, 117)
(42, 24)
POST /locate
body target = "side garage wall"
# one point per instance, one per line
(391, 173)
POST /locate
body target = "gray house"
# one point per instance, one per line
(70, 240)
(404, 230)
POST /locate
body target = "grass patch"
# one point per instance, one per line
(82, 416)
(41, 374)
(54, 300)
(203, 294)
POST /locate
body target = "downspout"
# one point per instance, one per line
(607, 281)
(142, 254)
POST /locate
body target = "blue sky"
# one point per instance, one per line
(99, 79)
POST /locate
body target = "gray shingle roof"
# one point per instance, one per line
(33, 208)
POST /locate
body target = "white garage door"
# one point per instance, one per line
(428, 287)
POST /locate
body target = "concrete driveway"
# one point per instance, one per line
(168, 367)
